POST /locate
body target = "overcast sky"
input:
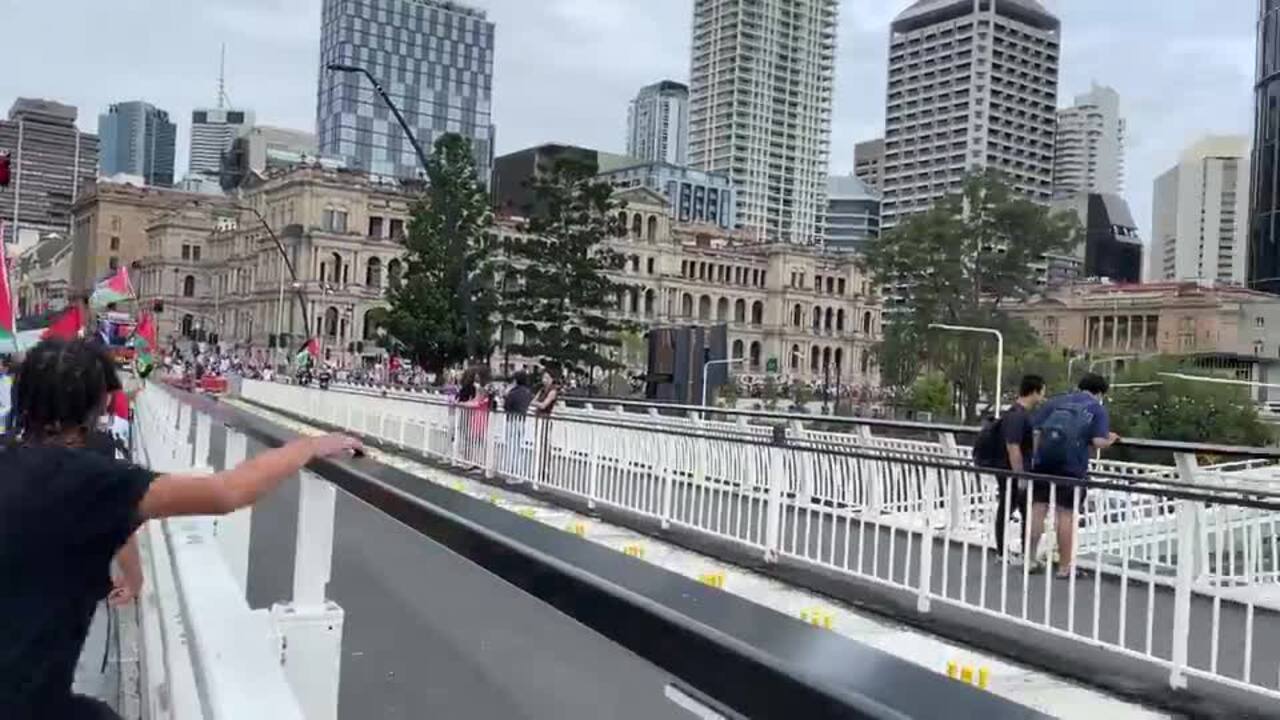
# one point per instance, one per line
(565, 69)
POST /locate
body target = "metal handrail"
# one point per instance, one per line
(691, 631)
(1139, 443)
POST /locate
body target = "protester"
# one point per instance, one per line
(65, 511)
(1008, 444)
(1067, 428)
(516, 404)
(548, 394)
(519, 397)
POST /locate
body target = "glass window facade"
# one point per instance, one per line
(434, 59)
(1264, 252)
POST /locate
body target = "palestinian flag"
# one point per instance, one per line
(144, 345)
(66, 326)
(112, 290)
(309, 353)
(8, 321)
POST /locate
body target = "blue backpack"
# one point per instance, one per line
(1062, 436)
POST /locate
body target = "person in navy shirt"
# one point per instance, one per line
(1068, 428)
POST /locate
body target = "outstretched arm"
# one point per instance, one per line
(230, 490)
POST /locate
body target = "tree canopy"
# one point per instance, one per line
(960, 263)
(443, 306)
(559, 291)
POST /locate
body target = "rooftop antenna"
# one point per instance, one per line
(222, 78)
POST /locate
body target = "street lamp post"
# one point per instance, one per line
(706, 366)
(999, 354)
(377, 87)
(467, 304)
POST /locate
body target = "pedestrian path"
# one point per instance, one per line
(1047, 693)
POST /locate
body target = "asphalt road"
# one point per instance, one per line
(430, 635)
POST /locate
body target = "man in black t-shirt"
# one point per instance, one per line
(1017, 440)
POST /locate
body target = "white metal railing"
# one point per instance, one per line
(206, 655)
(912, 515)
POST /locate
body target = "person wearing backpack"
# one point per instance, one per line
(1068, 428)
(1007, 444)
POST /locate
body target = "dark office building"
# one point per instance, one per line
(1264, 204)
(514, 173)
(1112, 248)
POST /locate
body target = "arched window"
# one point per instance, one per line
(650, 266)
(373, 273)
(830, 317)
(622, 224)
(817, 319)
(336, 268)
(188, 325)
(755, 356)
(637, 226)
(814, 358)
(722, 310)
(737, 349)
(634, 297)
(653, 229)
(370, 324)
(826, 358)
(635, 263)
(394, 269)
(704, 307)
(866, 323)
(189, 286)
(686, 306)
(840, 320)
(757, 313)
(649, 299)
(866, 362)
(797, 316)
(838, 356)
(740, 311)
(331, 322)
(795, 357)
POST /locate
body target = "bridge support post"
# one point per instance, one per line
(309, 629)
(203, 430)
(1186, 529)
(233, 531)
(955, 494)
(875, 488)
(593, 468)
(777, 482)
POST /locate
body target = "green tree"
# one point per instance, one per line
(1149, 404)
(443, 306)
(931, 393)
(960, 263)
(564, 294)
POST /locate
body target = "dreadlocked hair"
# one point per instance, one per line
(61, 386)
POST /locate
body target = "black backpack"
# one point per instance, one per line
(988, 449)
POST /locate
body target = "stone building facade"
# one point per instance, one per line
(219, 273)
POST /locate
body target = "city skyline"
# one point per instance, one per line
(273, 47)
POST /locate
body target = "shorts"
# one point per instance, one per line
(1063, 497)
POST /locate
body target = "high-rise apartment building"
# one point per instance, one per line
(1199, 214)
(1264, 205)
(972, 85)
(760, 108)
(49, 160)
(212, 132)
(137, 138)
(435, 60)
(868, 162)
(658, 124)
(1089, 148)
